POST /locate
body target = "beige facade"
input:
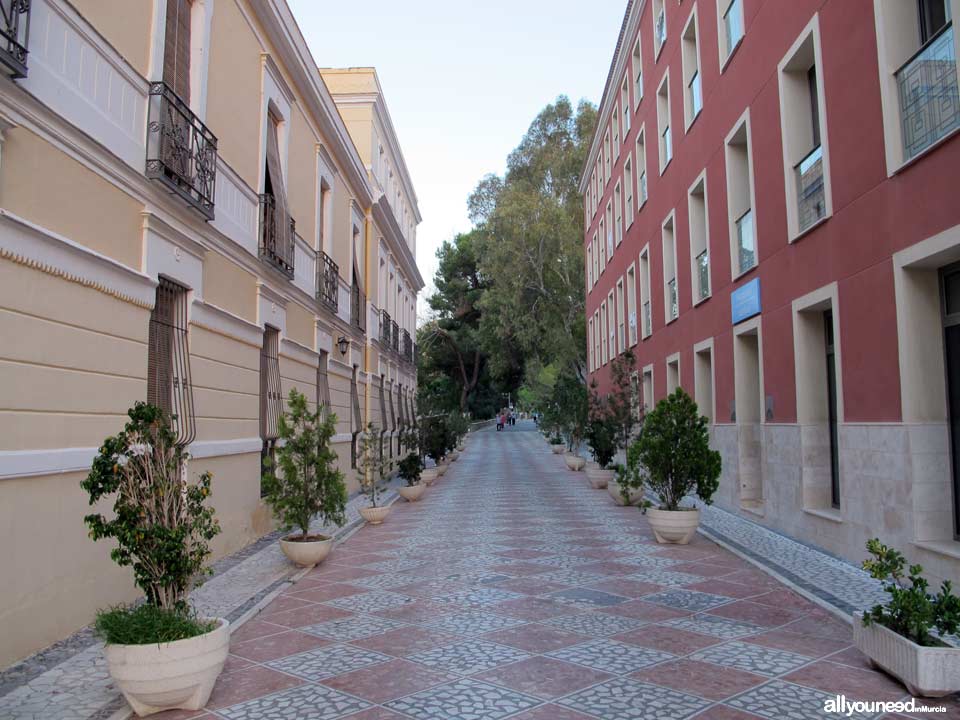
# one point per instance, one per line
(89, 232)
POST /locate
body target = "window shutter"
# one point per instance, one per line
(393, 413)
(323, 387)
(271, 395)
(400, 410)
(169, 385)
(356, 425)
(383, 404)
(176, 50)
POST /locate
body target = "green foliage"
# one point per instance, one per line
(371, 464)
(458, 425)
(602, 438)
(410, 468)
(148, 625)
(161, 524)
(632, 476)
(911, 610)
(556, 440)
(622, 403)
(568, 408)
(309, 482)
(436, 438)
(674, 448)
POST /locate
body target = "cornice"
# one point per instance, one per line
(384, 218)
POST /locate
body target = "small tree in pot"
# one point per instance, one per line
(371, 471)
(602, 440)
(308, 483)
(410, 468)
(162, 527)
(675, 450)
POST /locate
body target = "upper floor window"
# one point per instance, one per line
(616, 131)
(692, 82)
(628, 190)
(699, 239)
(176, 48)
(607, 158)
(659, 26)
(731, 28)
(637, 75)
(663, 121)
(670, 294)
(277, 231)
(625, 106)
(618, 213)
(740, 194)
(641, 169)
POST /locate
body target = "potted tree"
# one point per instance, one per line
(626, 488)
(308, 483)
(458, 424)
(902, 636)
(571, 402)
(674, 448)
(371, 469)
(436, 441)
(601, 437)
(410, 469)
(160, 654)
(556, 444)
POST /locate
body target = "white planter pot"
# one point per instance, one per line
(441, 470)
(429, 475)
(673, 526)
(557, 449)
(374, 515)
(167, 676)
(599, 479)
(412, 493)
(306, 554)
(453, 456)
(613, 487)
(574, 462)
(926, 671)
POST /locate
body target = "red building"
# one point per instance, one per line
(772, 213)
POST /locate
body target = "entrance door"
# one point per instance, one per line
(950, 294)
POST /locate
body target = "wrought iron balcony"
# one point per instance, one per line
(746, 244)
(358, 302)
(672, 298)
(394, 336)
(14, 36)
(181, 151)
(328, 281)
(703, 274)
(407, 346)
(811, 198)
(385, 328)
(277, 247)
(929, 101)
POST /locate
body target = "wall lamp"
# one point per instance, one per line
(342, 344)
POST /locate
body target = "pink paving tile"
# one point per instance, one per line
(667, 639)
(640, 610)
(249, 683)
(543, 677)
(282, 604)
(520, 569)
(550, 712)
(235, 662)
(529, 586)
(704, 569)
(253, 629)
(852, 657)
(719, 586)
(536, 638)
(853, 682)
(751, 612)
(406, 641)
(277, 646)
(705, 680)
(755, 579)
(602, 554)
(183, 715)
(388, 681)
(310, 615)
(607, 567)
(810, 645)
(532, 608)
(689, 553)
(626, 587)
(323, 593)
(785, 598)
(414, 612)
(337, 573)
(523, 554)
(820, 623)
(350, 559)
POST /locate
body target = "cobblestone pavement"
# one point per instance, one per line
(512, 590)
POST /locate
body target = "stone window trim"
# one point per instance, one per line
(664, 125)
(649, 389)
(673, 376)
(704, 379)
(726, 53)
(671, 297)
(691, 66)
(741, 194)
(698, 229)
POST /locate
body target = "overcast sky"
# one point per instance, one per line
(463, 80)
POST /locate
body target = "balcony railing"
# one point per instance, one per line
(385, 328)
(394, 336)
(672, 298)
(647, 319)
(811, 198)
(14, 36)
(328, 280)
(407, 346)
(277, 248)
(929, 101)
(181, 151)
(358, 302)
(703, 274)
(746, 244)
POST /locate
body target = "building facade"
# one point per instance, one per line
(771, 224)
(186, 217)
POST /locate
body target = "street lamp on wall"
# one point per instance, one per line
(342, 344)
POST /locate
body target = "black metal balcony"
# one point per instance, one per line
(14, 34)
(407, 346)
(328, 281)
(358, 303)
(181, 151)
(394, 336)
(276, 247)
(385, 328)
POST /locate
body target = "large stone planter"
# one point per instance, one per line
(309, 553)
(557, 449)
(574, 462)
(167, 676)
(673, 526)
(429, 476)
(453, 456)
(925, 671)
(412, 493)
(613, 487)
(599, 479)
(375, 515)
(442, 469)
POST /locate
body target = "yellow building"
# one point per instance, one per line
(187, 215)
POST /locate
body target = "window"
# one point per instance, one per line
(804, 149)
(703, 378)
(601, 248)
(731, 28)
(670, 294)
(596, 259)
(628, 189)
(740, 203)
(176, 48)
(673, 372)
(169, 384)
(645, 294)
(277, 229)
(616, 132)
(659, 26)
(621, 320)
(356, 419)
(323, 386)
(596, 339)
(830, 356)
(637, 75)
(609, 217)
(690, 57)
(663, 122)
(590, 365)
(589, 268)
(641, 169)
(611, 326)
(603, 332)
(606, 158)
(625, 106)
(648, 388)
(271, 393)
(748, 404)
(618, 213)
(699, 239)
(632, 305)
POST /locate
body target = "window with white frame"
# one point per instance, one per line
(692, 80)
(601, 247)
(589, 267)
(671, 307)
(673, 372)
(590, 365)
(646, 308)
(730, 28)
(628, 190)
(596, 259)
(632, 305)
(596, 339)
(625, 106)
(699, 239)
(615, 122)
(607, 167)
(618, 214)
(648, 398)
(663, 122)
(659, 26)
(740, 194)
(637, 61)
(603, 333)
(611, 325)
(641, 168)
(621, 318)
(609, 217)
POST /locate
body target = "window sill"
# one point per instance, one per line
(754, 507)
(831, 514)
(658, 51)
(745, 272)
(948, 548)
(733, 51)
(666, 165)
(702, 300)
(667, 321)
(906, 164)
(686, 129)
(803, 233)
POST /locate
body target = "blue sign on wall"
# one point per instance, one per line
(745, 301)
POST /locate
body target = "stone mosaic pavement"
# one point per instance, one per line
(512, 590)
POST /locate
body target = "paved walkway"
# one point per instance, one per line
(512, 590)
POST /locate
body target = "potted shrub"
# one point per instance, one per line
(570, 400)
(675, 451)
(371, 469)
(556, 444)
(459, 426)
(601, 438)
(410, 468)
(902, 637)
(435, 441)
(160, 654)
(308, 483)
(626, 488)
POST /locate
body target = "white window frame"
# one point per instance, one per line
(637, 76)
(732, 217)
(696, 297)
(643, 189)
(618, 213)
(633, 335)
(669, 253)
(691, 66)
(659, 8)
(646, 293)
(726, 53)
(628, 188)
(664, 123)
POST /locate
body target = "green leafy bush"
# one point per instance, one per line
(410, 468)
(371, 465)
(161, 524)
(674, 449)
(602, 438)
(148, 624)
(556, 440)
(308, 482)
(459, 425)
(911, 610)
(436, 438)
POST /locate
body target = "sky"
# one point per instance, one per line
(463, 80)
